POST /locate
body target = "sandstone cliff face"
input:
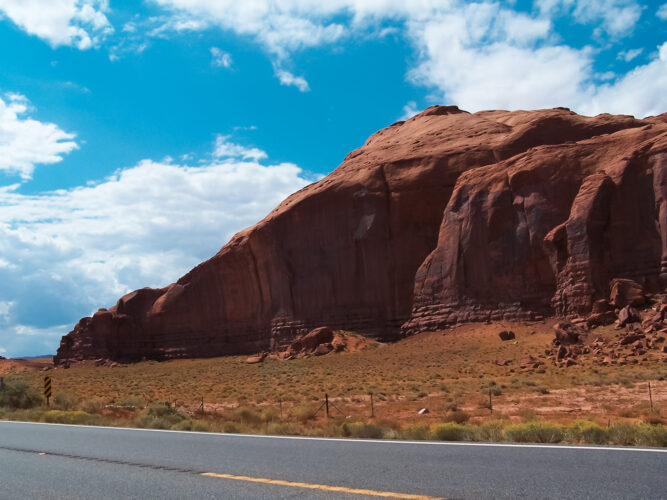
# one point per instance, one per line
(545, 231)
(541, 209)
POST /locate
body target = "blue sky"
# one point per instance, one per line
(137, 137)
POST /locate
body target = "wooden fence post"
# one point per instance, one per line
(372, 407)
(650, 396)
(490, 402)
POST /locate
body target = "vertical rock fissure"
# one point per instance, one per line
(253, 258)
(390, 256)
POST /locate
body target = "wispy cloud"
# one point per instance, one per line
(629, 55)
(289, 79)
(616, 18)
(224, 148)
(662, 12)
(409, 110)
(220, 58)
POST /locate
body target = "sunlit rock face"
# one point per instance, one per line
(446, 217)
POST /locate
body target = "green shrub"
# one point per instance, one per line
(230, 428)
(623, 434)
(416, 432)
(585, 431)
(26, 415)
(534, 432)
(133, 402)
(651, 435)
(200, 426)
(163, 409)
(358, 430)
(493, 430)
(449, 431)
(71, 417)
(191, 425)
(159, 416)
(183, 425)
(19, 395)
(283, 429)
(492, 388)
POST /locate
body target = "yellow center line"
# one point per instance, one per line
(325, 487)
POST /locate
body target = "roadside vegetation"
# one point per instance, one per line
(463, 385)
(19, 403)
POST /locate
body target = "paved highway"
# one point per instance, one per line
(58, 461)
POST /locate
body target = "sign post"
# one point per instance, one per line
(47, 389)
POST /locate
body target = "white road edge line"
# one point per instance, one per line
(349, 440)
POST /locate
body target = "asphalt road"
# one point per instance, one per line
(59, 461)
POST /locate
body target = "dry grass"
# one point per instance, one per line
(445, 372)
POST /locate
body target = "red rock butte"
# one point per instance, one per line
(443, 218)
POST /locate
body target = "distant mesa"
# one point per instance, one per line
(445, 218)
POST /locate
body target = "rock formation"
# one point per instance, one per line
(446, 217)
(545, 230)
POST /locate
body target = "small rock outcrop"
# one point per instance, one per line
(566, 334)
(625, 292)
(316, 342)
(628, 315)
(506, 335)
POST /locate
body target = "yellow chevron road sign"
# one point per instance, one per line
(47, 389)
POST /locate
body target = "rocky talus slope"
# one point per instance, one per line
(446, 217)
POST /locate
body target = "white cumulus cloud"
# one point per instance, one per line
(78, 23)
(475, 58)
(477, 55)
(642, 91)
(72, 251)
(280, 26)
(484, 57)
(25, 142)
